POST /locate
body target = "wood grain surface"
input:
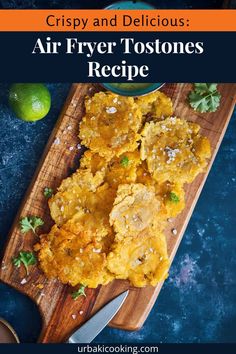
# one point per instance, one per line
(61, 315)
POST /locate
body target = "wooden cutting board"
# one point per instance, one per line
(61, 315)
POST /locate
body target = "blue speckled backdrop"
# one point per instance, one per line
(197, 302)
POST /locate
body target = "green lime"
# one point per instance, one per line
(30, 102)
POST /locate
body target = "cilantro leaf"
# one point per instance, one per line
(16, 262)
(198, 102)
(30, 223)
(200, 88)
(79, 292)
(26, 258)
(124, 161)
(174, 198)
(204, 97)
(48, 192)
(203, 88)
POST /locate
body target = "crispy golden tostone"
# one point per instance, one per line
(111, 124)
(174, 150)
(135, 208)
(122, 169)
(93, 162)
(74, 257)
(171, 195)
(75, 193)
(84, 207)
(154, 106)
(117, 171)
(143, 260)
(144, 176)
(82, 179)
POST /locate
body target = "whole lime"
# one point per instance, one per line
(30, 102)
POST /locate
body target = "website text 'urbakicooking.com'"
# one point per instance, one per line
(119, 348)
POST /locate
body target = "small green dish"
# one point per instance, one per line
(131, 89)
(130, 5)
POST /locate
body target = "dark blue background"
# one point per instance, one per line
(197, 302)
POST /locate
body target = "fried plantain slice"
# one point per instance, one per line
(75, 193)
(143, 260)
(155, 106)
(93, 162)
(171, 195)
(119, 170)
(110, 124)
(173, 198)
(90, 209)
(98, 214)
(134, 209)
(74, 258)
(174, 150)
(144, 176)
(82, 179)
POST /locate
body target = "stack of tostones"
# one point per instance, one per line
(110, 215)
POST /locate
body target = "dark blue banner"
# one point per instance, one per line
(137, 57)
(118, 348)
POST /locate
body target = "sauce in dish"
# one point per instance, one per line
(132, 88)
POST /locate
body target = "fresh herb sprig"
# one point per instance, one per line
(26, 258)
(30, 223)
(48, 192)
(205, 97)
(174, 198)
(79, 292)
(124, 161)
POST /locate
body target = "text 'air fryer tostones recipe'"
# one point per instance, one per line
(110, 215)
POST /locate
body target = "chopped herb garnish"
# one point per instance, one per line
(174, 198)
(30, 223)
(48, 192)
(26, 258)
(79, 292)
(204, 97)
(124, 161)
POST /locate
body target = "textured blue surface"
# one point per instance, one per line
(197, 302)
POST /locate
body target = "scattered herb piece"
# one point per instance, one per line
(79, 292)
(174, 198)
(48, 192)
(26, 258)
(30, 223)
(124, 161)
(204, 97)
